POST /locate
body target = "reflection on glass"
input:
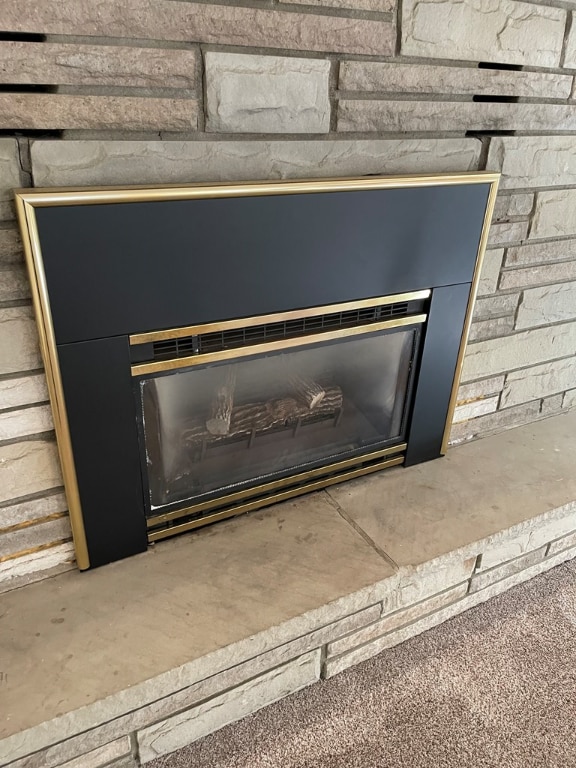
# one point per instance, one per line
(221, 427)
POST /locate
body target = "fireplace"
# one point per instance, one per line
(267, 405)
(213, 349)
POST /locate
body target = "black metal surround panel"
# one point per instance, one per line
(168, 264)
(102, 414)
(123, 268)
(437, 367)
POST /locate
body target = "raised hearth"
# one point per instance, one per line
(301, 596)
(213, 349)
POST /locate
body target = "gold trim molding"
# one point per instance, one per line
(295, 314)
(495, 178)
(269, 488)
(175, 363)
(290, 493)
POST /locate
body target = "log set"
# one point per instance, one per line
(221, 409)
(268, 415)
(307, 390)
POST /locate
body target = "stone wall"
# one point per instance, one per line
(153, 91)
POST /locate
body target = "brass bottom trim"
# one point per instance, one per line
(274, 498)
(260, 490)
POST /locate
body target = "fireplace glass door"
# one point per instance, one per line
(212, 430)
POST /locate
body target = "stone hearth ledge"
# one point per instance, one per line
(119, 665)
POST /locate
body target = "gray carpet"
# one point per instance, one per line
(494, 687)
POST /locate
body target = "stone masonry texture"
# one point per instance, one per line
(181, 21)
(266, 94)
(176, 91)
(497, 30)
(81, 64)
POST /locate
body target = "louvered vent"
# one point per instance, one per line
(288, 329)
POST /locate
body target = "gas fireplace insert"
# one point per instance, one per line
(212, 349)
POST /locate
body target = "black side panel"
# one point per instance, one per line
(102, 415)
(167, 264)
(437, 370)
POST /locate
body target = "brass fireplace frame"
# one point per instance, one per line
(28, 200)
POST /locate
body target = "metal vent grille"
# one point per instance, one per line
(169, 348)
(288, 329)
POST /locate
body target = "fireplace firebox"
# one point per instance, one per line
(211, 349)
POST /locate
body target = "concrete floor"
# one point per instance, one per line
(74, 640)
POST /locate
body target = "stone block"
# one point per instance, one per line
(367, 115)
(446, 513)
(507, 232)
(378, 6)
(19, 350)
(10, 171)
(551, 405)
(510, 206)
(475, 408)
(569, 399)
(560, 545)
(488, 329)
(416, 583)
(529, 536)
(549, 304)
(182, 729)
(533, 161)
(266, 94)
(202, 22)
(48, 111)
(494, 422)
(504, 32)
(103, 756)
(555, 214)
(70, 163)
(184, 699)
(541, 253)
(28, 467)
(26, 569)
(125, 762)
(482, 388)
(539, 381)
(486, 578)
(550, 273)
(570, 49)
(10, 246)
(33, 537)
(424, 78)
(396, 620)
(495, 306)
(100, 65)
(27, 421)
(490, 271)
(541, 566)
(488, 358)
(34, 509)
(24, 390)
(7, 212)
(14, 285)
(338, 664)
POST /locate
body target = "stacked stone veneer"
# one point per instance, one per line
(155, 91)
